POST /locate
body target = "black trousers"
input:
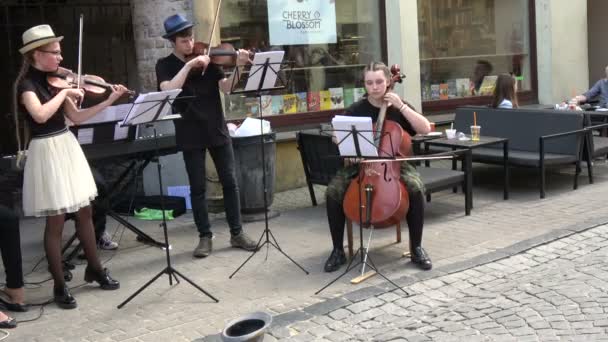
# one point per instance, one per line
(10, 245)
(414, 219)
(223, 158)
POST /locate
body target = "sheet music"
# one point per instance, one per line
(109, 114)
(120, 132)
(255, 73)
(85, 136)
(146, 106)
(343, 125)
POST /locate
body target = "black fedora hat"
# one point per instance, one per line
(175, 24)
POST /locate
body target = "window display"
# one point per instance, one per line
(325, 76)
(465, 44)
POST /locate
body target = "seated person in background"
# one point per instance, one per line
(12, 297)
(600, 88)
(483, 68)
(505, 92)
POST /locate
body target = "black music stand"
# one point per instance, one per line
(365, 259)
(148, 115)
(266, 71)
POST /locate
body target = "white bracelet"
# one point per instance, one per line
(402, 106)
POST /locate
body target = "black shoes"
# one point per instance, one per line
(64, 299)
(421, 258)
(103, 278)
(336, 259)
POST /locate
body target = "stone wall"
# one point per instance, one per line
(148, 17)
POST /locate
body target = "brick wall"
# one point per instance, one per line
(148, 17)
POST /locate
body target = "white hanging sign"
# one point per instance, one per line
(300, 22)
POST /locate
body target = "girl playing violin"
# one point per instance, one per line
(57, 178)
(377, 78)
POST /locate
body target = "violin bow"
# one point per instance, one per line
(81, 24)
(217, 15)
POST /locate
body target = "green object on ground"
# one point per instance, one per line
(153, 214)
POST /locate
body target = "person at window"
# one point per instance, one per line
(599, 89)
(57, 178)
(377, 80)
(202, 128)
(12, 297)
(483, 68)
(505, 92)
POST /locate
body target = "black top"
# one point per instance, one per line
(364, 108)
(35, 81)
(202, 124)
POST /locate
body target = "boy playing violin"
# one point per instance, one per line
(377, 78)
(202, 128)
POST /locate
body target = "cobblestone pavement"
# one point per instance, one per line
(496, 230)
(554, 292)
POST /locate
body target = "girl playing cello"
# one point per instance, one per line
(377, 78)
(57, 178)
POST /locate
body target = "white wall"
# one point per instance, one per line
(403, 49)
(561, 39)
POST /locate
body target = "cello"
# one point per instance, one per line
(386, 199)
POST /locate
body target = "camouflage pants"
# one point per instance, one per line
(339, 184)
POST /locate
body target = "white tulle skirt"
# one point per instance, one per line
(57, 178)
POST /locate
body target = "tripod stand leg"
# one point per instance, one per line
(349, 267)
(172, 270)
(249, 258)
(165, 270)
(373, 267)
(288, 257)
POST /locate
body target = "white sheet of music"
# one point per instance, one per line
(120, 132)
(342, 129)
(146, 106)
(85, 136)
(255, 73)
(109, 114)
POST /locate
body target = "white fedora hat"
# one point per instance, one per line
(38, 36)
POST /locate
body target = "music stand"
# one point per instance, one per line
(152, 108)
(353, 137)
(262, 77)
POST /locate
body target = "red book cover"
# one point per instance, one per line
(314, 101)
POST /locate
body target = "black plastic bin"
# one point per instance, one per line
(250, 170)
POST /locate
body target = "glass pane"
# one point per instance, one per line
(464, 42)
(326, 76)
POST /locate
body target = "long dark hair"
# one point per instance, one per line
(22, 141)
(505, 90)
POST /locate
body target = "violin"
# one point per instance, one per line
(386, 199)
(224, 54)
(94, 86)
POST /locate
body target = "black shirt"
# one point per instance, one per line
(35, 81)
(202, 124)
(364, 108)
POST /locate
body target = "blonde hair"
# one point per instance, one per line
(28, 60)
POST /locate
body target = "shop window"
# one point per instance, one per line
(465, 44)
(326, 76)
